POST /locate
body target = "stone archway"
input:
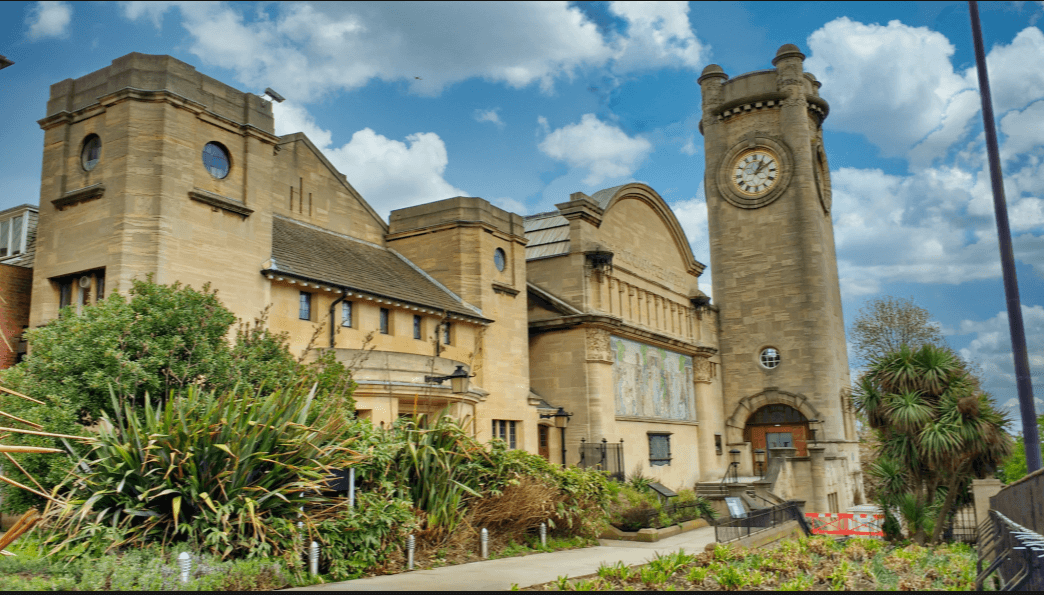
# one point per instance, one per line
(736, 424)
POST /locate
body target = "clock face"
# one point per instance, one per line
(755, 172)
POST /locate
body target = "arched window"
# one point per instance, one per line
(91, 153)
(215, 159)
(777, 414)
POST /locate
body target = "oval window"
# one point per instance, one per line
(770, 357)
(499, 259)
(215, 159)
(91, 153)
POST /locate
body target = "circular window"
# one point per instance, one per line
(215, 159)
(91, 153)
(770, 357)
(499, 259)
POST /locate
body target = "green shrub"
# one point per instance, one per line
(363, 538)
(228, 473)
(157, 339)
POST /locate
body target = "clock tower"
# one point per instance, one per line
(775, 279)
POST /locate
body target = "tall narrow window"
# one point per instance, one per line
(100, 290)
(65, 287)
(346, 314)
(16, 235)
(91, 152)
(384, 321)
(5, 230)
(446, 333)
(417, 327)
(304, 311)
(505, 430)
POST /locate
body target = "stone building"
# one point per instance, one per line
(592, 310)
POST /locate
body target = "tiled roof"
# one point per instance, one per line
(304, 251)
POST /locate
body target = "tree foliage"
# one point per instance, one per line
(1014, 467)
(937, 430)
(884, 325)
(157, 340)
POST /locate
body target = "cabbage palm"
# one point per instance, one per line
(936, 426)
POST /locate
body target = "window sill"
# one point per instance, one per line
(79, 195)
(220, 202)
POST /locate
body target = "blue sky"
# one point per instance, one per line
(524, 104)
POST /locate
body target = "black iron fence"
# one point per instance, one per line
(1014, 552)
(604, 455)
(658, 518)
(1010, 540)
(760, 520)
(960, 525)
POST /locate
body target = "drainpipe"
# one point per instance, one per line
(333, 321)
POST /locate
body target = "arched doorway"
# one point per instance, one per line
(777, 425)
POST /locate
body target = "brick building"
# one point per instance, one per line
(17, 247)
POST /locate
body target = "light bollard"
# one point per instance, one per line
(313, 559)
(351, 487)
(484, 541)
(543, 534)
(411, 544)
(185, 566)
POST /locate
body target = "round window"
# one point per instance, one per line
(770, 357)
(215, 159)
(91, 153)
(499, 259)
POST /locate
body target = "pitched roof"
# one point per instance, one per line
(301, 250)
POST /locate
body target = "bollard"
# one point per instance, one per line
(351, 487)
(313, 559)
(484, 540)
(543, 534)
(185, 566)
(411, 544)
(301, 532)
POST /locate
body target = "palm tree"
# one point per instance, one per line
(938, 430)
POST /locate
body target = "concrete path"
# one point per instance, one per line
(499, 575)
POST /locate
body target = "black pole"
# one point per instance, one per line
(563, 447)
(1023, 381)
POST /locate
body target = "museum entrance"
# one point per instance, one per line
(775, 426)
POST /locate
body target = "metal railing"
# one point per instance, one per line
(608, 457)
(1023, 502)
(675, 513)
(1014, 552)
(759, 520)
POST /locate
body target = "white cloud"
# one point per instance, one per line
(1014, 83)
(310, 49)
(1023, 130)
(892, 83)
(991, 348)
(658, 35)
(48, 19)
(692, 216)
(489, 115)
(603, 150)
(390, 174)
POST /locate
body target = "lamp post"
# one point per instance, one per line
(759, 459)
(561, 421)
(734, 454)
(458, 380)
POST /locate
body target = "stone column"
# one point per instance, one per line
(982, 491)
(819, 499)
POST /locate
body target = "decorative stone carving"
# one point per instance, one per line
(703, 369)
(598, 349)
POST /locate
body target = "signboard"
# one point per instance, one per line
(736, 508)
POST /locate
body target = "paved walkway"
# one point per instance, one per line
(499, 575)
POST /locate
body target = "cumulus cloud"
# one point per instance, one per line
(658, 35)
(893, 83)
(602, 150)
(489, 115)
(991, 349)
(390, 174)
(692, 216)
(48, 19)
(312, 48)
(934, 226)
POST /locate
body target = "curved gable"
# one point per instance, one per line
(623, 205)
